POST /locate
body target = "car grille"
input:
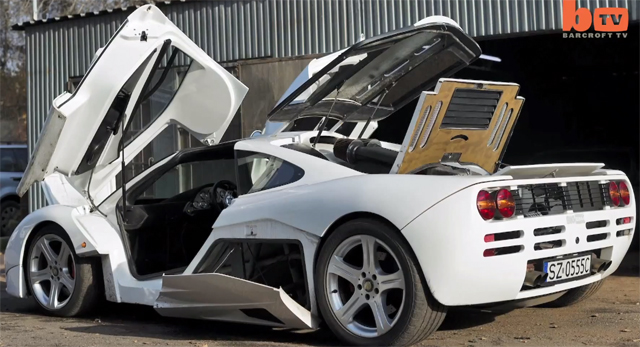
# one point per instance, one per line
(551, 198)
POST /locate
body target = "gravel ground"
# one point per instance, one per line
(610, 318)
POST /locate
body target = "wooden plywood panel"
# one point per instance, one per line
(427, 141)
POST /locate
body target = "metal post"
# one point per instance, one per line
(35, 9)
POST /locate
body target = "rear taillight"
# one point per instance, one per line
(624, 193)
(614, 194)
(486, 205)
(505, 203)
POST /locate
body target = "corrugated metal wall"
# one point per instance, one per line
(245, 29)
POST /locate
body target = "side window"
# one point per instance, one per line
(164, 84)
(8, 161)
(187, 176)
(259, 171)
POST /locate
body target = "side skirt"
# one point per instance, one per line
(226, 298)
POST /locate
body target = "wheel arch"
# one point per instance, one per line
(374, 216)
(17, 247)
(27, 243)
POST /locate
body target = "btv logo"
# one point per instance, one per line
(605, 20)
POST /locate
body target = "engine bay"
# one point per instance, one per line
(462, 127)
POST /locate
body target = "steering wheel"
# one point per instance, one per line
(223, 193)
(202, 201)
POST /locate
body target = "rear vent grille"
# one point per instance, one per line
(588, 196)
(471, 109)
(597, 237)
(548, 231)
(540, 246)
(551, 198)
(540, 200)
(597, 224)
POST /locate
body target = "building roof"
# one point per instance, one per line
(23, 25)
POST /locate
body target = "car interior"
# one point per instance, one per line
(168, 215)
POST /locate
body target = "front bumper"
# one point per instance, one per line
(448, 241)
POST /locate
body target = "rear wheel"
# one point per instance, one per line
(575, 295)
(369, 289)
(61, 283)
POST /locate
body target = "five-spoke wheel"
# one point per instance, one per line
(62, 283)
(369, 290)
(365, 286)
(51, 272)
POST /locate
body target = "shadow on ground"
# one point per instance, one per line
(183, 329)
(630, 265)
(143, 322)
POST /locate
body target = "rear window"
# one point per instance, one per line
(13, 159)
(259, 171)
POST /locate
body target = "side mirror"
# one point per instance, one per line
(256, 133)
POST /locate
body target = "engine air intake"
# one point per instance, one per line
(471, 109)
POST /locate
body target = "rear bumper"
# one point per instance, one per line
(448, 241)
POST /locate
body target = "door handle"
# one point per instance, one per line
(16, 178)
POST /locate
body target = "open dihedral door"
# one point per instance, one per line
(461, 121)
(147, 59)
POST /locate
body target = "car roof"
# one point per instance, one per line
(12, 145)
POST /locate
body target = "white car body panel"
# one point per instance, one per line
(204, 104)
(468, 278)
(100, 237)
(436, 214)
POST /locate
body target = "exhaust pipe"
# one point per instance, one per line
(599, 265)
(535, 278)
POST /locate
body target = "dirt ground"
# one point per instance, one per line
(610, 318)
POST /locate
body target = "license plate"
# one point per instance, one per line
(564, 269)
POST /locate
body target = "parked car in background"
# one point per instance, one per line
(13, 161)
(617, 158)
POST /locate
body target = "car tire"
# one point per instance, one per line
(575, 295)
(82, 274)
(419, 314)
(8, 210)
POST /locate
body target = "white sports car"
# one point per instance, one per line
(289, 229)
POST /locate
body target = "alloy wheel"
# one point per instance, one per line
(52, 272)
(365, 285)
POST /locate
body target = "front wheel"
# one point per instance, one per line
(369, 290)
(61, 283)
